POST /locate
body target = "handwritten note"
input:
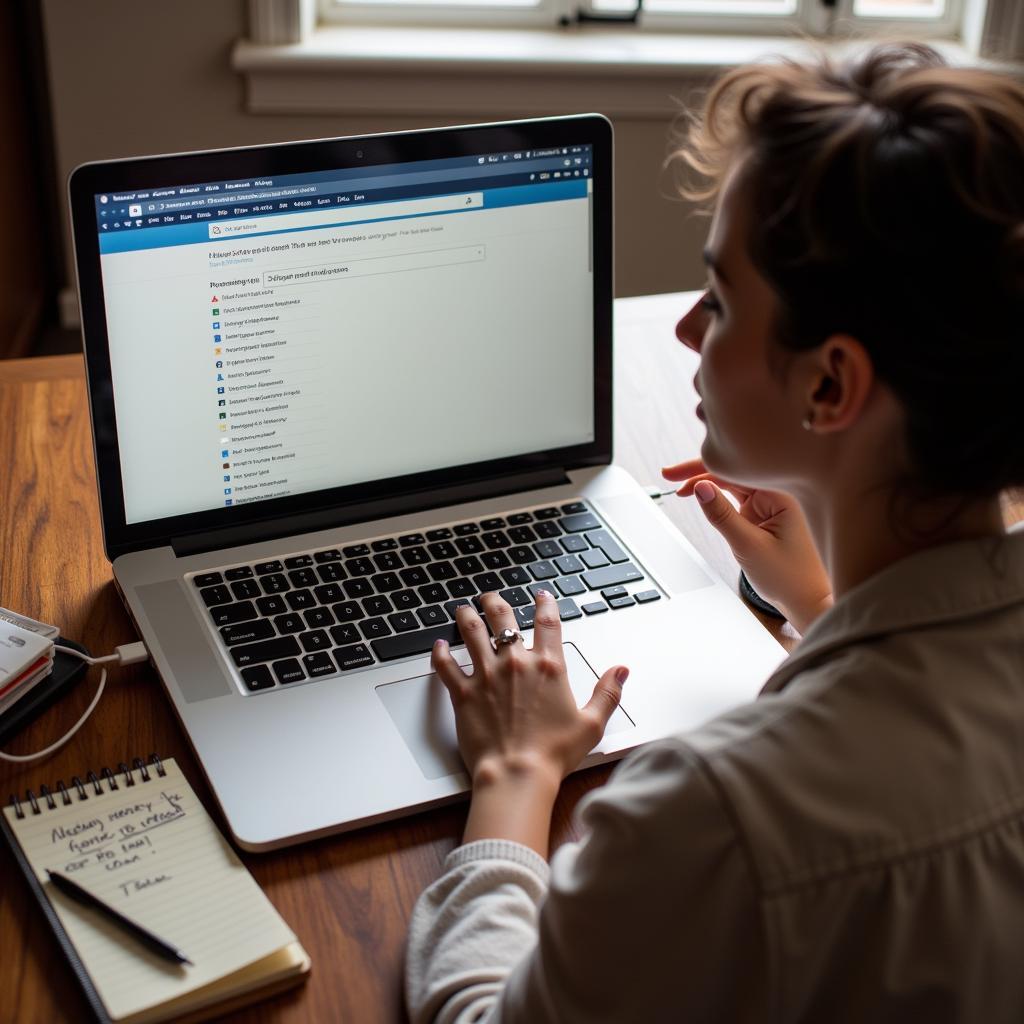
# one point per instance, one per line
(151, 851)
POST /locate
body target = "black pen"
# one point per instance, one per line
(147, 938)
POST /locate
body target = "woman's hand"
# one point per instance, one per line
(520, 732)
(769, 537)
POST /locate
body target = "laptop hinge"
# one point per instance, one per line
(366, 511)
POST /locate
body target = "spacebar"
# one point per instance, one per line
(401, 645)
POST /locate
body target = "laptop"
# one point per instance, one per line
(338, 388)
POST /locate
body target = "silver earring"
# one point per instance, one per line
(808, 421)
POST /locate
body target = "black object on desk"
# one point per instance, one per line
(67, 671)
(751, 595)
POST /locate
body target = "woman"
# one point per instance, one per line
(850, 846)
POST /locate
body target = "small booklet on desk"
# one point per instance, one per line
(141, 843)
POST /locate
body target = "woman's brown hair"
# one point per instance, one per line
(888, 203)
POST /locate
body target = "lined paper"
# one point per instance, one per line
(152, 852)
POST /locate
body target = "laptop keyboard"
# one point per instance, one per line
(329, 612)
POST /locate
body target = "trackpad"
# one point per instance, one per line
(422, 711)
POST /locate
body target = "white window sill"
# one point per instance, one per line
(495, 72)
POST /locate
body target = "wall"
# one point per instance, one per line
(130, 78)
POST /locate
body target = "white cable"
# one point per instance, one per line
(127, 654)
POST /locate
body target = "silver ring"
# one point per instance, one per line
(506, 636)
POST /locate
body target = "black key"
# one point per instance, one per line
(415, 576)
(542, 570)
(470, 565)
(246, 588)
(298, 561)
(240, 572)
(463, 529)
(515, 596)
(579, 523)
(385, 582)
(377, 605)
(388, 561)
(318, 618)
(331, 572)
(257, 677)
(488, 581)
(609, 592)
(404, 644)
(432, 615)
(360, 567)
(387, 544)
(356, 551)
(289, 671)
(318, 664)
(314, 640)
(347, 611)
(246, 633)
(625, 572)
(521, 535)
(273, 605)
(518, 518)
(216, 595)
(595, 607)
(356, 656)
(460, 587)
(442, 571)
(516, 576)
(647, 596)
(570, 586)
(328, 593)
(495, 560)
(433, 593)
(207, 579)
(265, 650)
(262, 568)
(621, 602)
(441, 534)
(407, 540)
(594, 558)
(521, 554)
(405, 599)
(300, 599)
(416, 556)
(450, 606)
(603, 539)
(345, 634)
(402, 622)
(290, 622)
(524, 614)
(492, 524)
(330, 555)
(274, 583)
(569, 564)
(358, 588)
(547, 530)
(469, 545)
(496, 539)
(573, 507)
(442, 549)
(547, 549)
(567, 609)
(303, 578)
(374, 627)
(546, 513)
(573, 544)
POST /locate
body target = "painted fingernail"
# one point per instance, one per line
(622, 675)
(439, 644)
(543, 593)
(704, 491)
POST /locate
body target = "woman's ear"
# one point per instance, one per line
(841, 378)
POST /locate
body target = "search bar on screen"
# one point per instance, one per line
(346, 215)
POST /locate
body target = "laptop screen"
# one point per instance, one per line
(281, 334)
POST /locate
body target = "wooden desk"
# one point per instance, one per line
(347, 898)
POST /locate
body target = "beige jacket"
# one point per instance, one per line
(848, 847)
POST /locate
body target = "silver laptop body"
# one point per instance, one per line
(339, 387)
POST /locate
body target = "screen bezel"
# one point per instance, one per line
(92, 179)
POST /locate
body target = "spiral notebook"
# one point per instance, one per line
(140, 840)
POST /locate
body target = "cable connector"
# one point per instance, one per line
(131, 654)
